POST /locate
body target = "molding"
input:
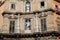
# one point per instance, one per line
(24, 13)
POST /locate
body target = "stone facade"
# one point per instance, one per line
(40, 18)
(21, 9)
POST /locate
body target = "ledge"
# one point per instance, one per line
(34, 35)
(24, 13)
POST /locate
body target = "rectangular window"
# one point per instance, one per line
(42, 4)
(27, 6)
(43, 25)
(12, 6)
(28, 24)
(12, 25)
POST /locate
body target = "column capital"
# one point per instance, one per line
(36, 14)
(19, 15)
(42, 14)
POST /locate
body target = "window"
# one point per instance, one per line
(27, 6)
(12, 6)
(28, 24)
(12, 25)
(43, 25)
(42, 4)
(56, 6)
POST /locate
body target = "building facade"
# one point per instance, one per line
(30, 20)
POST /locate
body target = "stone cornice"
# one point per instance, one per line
(24, 13)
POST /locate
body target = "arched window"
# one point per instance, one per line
(27, 6)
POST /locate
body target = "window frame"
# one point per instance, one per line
(43, 25)
(25, 28)
(26, 7)
(12, 26)
(14, 5)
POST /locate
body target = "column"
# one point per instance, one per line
(18, 28)
(36, 22)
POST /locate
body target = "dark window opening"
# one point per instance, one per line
(42, 4)
(27, 24)
(12, 6)
(12, 25)
(43, 25)
(56, 6)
